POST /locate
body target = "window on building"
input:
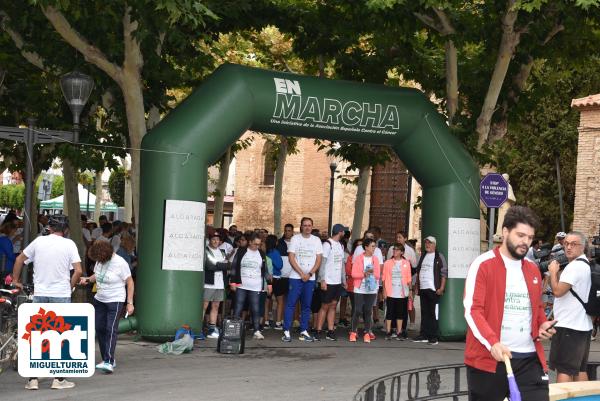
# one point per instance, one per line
(268, 165)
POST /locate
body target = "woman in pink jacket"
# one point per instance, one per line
(365, 274)
(396, 286)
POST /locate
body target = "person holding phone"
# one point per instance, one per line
(505, 316)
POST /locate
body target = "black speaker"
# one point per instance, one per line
(232, 337)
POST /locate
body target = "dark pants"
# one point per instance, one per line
(254, 300)
(363, 306)
(107, 326)
(303, 291)
(429, 323)
(529, 375)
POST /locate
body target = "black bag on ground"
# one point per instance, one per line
(232, 337)
(592, 307)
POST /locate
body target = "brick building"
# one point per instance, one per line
(305, 188)
(587, 197)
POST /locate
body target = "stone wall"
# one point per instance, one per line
(587, 196)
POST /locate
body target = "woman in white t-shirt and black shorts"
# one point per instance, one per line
(111, 275)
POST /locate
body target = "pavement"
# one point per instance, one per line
(269, 370)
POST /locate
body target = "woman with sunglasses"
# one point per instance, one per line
(248, 278)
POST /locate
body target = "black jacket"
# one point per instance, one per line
(236, 273)
(211, 266)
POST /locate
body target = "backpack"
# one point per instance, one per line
(592, 307)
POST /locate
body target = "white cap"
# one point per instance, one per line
(431, 239)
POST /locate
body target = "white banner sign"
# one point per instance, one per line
(183, 242)
(463, 245)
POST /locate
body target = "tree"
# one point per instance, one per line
(116, 186)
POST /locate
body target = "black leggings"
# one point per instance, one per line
(363, 305)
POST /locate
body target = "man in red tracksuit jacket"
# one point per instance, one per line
(505, 316)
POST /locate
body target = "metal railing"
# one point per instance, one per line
(431, 383)
(447, 382)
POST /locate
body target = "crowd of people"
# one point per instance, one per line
(298, 281)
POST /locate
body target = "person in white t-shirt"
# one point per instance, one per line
(304, 252)
(111, 275)
(571, 287)
(332, 280)
(97, 232)
(248, 279)
(53, 257)
(215, 271)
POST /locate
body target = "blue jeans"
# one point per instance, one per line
(107, 327)
(303, 291)
(51, 300)
(253, 300)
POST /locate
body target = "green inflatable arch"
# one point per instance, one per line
(235, 99)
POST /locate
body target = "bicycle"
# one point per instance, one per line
(10, 300)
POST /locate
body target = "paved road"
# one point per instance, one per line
(269, 370)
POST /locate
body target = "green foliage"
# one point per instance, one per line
(12, 196)
(58, 186)
(116, 186)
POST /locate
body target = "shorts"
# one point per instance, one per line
(214, 294)
(529, 374)
(281, 286)
(396, 308)
(332, 293)
(569, 351)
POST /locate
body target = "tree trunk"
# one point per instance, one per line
(359, 204)
(73, 210)
(221, 189)
(451, 80)
(33, 212)
(278, 189)
(508, 43)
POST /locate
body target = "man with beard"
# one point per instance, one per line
(505, 316)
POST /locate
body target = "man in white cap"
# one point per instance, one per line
(560, 238)
(432, 272)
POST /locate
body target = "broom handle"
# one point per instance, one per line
(508, 365)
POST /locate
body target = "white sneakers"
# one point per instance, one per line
(213, 333)
(258, 335)
(56, 384)
(105, 366)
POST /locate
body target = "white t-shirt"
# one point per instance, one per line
(111, 278)
(362, 289)
(53, 257)
(516, 320)
(426, 280)
(115, 241)
(227, 247)
(306, 251)
(567, 309)
(219, 284)
(360, 250)
(250, 271)
(335, 262)
(399, 287)
(86, 234)
(96, 233)
(286, 270)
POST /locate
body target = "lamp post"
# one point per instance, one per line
(76, 88)
(332, 167)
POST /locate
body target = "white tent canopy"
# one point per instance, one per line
(58, 202)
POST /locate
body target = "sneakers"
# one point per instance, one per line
(278, 326)
(343, 323)
(267, 325)
(352, 337)
(400, 337)
(388, 336)
(62, 384)
(433, 341)
(213, 333)
(286, 337)
(258, 335)
(200, 336)
(404, 335)
(372, 336)
(317, 335)
(420, 339)
(304, 336)
(367, 338)
(106, 367)
(394, 335)
(331, 336)
(32, 384)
